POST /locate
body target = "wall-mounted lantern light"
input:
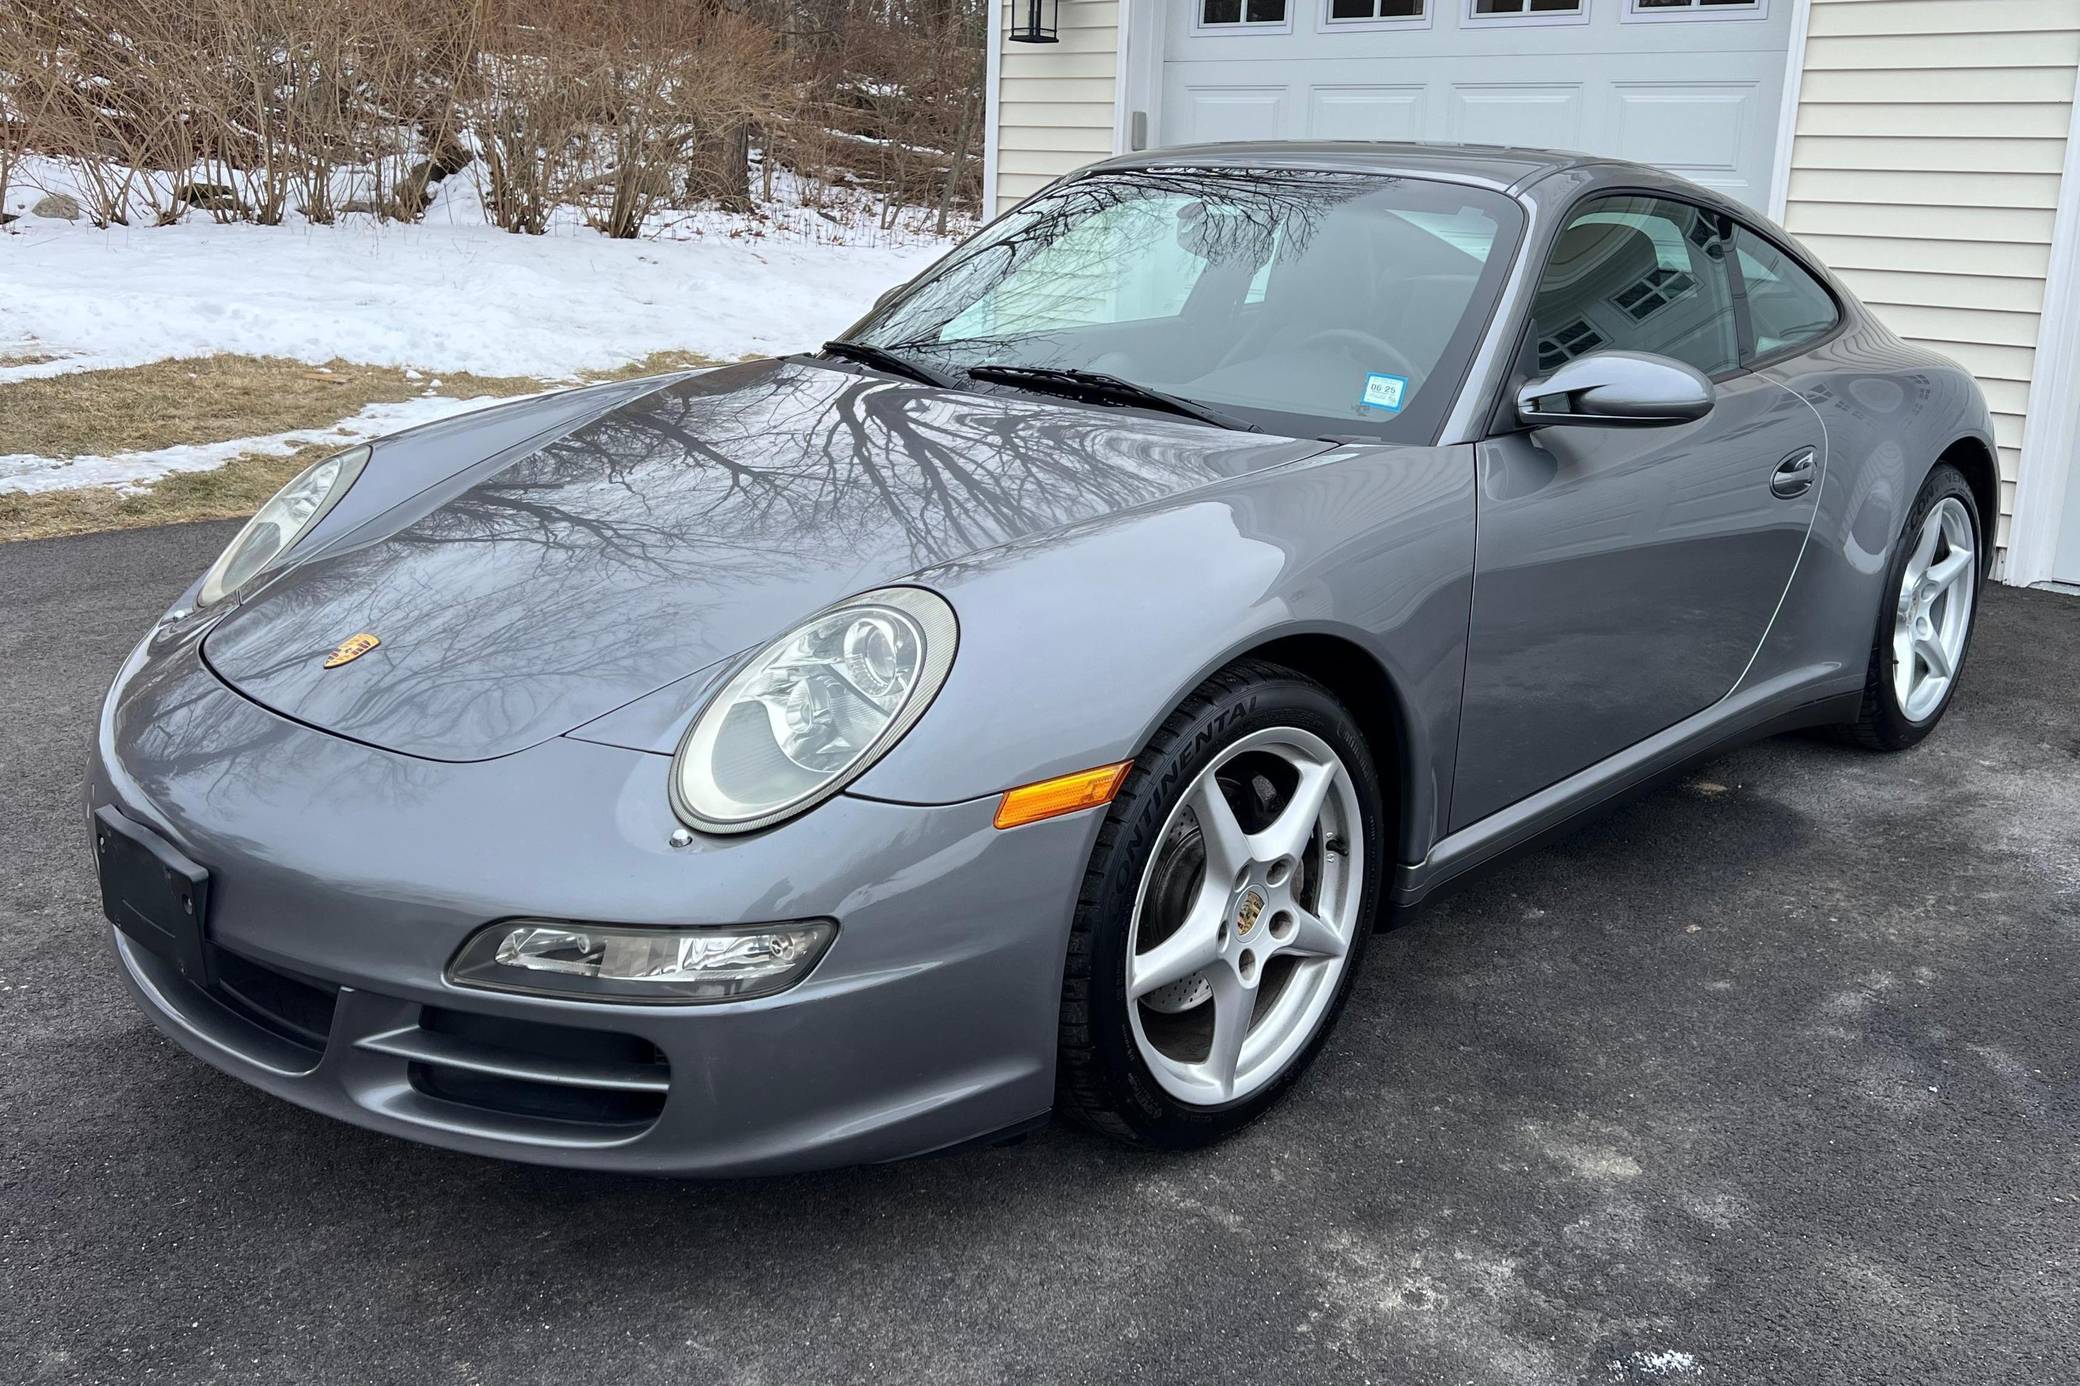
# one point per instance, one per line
(1040, 24)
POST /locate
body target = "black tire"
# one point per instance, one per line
(1881, 723)
(1102, 1080)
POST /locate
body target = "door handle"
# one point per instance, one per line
(1794, 475)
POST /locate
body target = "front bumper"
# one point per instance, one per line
(345, 877)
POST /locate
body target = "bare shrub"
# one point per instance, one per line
(527, 112)
(24, 95)
(686, 80)
(305, 90)
(252, 109)
(413, 63)
(109, 98)
(602, 101)
(891, 98)
(238, 108)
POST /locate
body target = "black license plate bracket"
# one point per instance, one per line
(152, 891)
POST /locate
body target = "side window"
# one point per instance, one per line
(1786, 306)
(1638, 274)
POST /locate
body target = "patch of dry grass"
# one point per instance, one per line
(656, 363)
(97, 413)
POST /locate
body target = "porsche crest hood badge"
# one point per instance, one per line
(351, 649)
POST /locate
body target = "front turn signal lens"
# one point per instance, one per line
(1030, 803)
(593, 962)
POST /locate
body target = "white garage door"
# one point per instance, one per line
(1690, 85)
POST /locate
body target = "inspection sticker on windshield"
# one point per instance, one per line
(1385, 392)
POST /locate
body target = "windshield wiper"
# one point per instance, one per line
(881, 358)
(1097, 385)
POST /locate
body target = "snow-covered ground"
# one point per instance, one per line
(448, 294)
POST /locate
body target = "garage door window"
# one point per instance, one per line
(1639, 274)
(1235, 14)
(1527, 11)
(1369, 12)
(1696, 9)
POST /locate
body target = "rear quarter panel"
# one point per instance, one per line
(1890, 410)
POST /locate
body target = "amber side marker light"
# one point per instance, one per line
(1029, 803)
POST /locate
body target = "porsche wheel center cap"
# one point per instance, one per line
(1247, 911)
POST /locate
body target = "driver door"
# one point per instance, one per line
(1625, 577)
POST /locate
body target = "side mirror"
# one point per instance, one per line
(1616, 389)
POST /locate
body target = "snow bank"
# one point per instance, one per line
(445, 298)
(449, 294)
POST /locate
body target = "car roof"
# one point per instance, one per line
(1497, 166)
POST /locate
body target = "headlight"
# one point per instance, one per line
(813, 710)
(280, 523)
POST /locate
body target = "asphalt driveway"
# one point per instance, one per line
(1772, 1076)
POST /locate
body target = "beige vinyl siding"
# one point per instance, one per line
(1055, 110)
(1930, 139)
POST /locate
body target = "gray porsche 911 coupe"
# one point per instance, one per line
(1033, 700)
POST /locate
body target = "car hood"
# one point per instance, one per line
(679, 528)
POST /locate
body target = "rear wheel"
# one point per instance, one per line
(1230, 895)
(1925, 628)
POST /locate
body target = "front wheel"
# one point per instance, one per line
(1925, 628)
(1227, 902)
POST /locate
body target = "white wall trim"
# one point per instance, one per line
(2051, 428)
(1138, 83)
(992, 106)
(1787, 109)
(1123, 78)
(1140, 34)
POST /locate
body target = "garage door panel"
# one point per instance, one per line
(1368, 113)
(1696, 123)
(1496, 113)
(1696, 98)
(1214, 113)
(1699, 130)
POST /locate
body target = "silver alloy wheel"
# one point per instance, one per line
(1934, 611)
(1243, 922)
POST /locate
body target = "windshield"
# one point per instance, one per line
(1301, 302)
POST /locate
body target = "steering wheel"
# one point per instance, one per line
(1365, 342)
